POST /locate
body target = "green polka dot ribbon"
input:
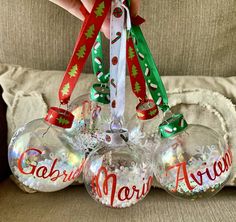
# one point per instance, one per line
(100, 91)
(173, 125)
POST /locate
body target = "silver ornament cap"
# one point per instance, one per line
(117, 137)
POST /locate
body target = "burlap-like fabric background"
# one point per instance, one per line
(192, 37)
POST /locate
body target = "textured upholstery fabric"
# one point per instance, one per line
(201, 99)
(4, 169)
(186, 37)
(74, 204)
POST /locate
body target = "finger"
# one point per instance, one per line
(72, 6)
(106, 25)
(134, 7)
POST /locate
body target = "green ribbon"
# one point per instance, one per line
(150, 71)
(176, 123)
(148, 65)
(100, 93)
(173, 126)
(102, 77)
(97, 54)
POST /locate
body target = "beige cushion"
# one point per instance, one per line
(74, 204)
(203, 100)
(186, 37)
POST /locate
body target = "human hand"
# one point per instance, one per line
(73, 6)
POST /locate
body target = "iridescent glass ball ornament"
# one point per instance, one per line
(117, 174)
(41, 157)
(92, 116)
(192, 161)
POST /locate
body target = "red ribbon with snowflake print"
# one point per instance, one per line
(84, 44)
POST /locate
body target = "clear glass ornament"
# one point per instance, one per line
(194, 163)
(143, 127)
(117, 174)
(42, 158)
(142, 132)
(91, 120)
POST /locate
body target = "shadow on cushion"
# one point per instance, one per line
(4, 168)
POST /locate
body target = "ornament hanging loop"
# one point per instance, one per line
(46, 130)
(128, 21)
(116, 125)
(167, 113)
